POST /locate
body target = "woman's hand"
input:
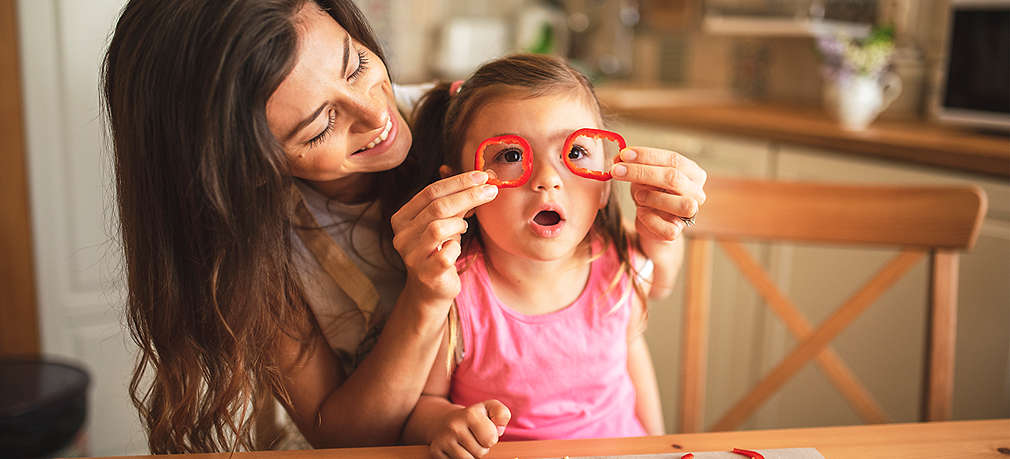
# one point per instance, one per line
(427, 231)
(666, 187)
(470, 432)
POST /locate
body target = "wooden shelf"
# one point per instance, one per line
(780, 27)
(909, 141)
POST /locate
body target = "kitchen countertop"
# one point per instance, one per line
(910, 141)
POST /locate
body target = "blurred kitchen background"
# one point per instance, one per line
(738, 85)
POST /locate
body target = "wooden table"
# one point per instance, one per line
(938, 440)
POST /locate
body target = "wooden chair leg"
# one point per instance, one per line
(942, 337)
(697, 296)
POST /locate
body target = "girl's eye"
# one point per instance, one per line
(362, 66)
(511, 155)
(577, 152)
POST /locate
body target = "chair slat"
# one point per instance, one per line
(942, 337)
(815, 343)
(837, 371)
(927, 216)
(692, 389)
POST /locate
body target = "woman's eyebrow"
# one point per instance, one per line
(305, 122)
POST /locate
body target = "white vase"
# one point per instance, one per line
(856, 101)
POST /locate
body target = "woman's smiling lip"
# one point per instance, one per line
(391, 131)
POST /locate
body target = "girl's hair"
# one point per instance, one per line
(442, 118)
(205, 210)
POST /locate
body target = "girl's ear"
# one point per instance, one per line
(445, 171)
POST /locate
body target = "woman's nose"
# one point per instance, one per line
(369, 111)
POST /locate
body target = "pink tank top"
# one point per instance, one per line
(562, 374)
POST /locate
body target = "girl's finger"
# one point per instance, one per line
(439, 189)
(661, 157)
(498, 412)
(456, 451)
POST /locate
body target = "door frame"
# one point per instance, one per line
(19, 329)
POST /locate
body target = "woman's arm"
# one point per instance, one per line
(647, 404)
(667, 258)
(370, 406)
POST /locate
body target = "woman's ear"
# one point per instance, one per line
(446, 171)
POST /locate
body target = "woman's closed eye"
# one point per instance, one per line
(332, 114)
(331, 118)
(362, 66)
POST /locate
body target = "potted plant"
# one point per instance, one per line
(858, 79)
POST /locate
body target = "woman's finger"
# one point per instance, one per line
(457, 204)
(661, 225)
(439, 189)
(666, 202)
(661, 157)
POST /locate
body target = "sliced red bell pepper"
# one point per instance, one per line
(478, 160)
(596, 134)
(748, 453)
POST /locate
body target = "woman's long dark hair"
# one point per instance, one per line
(204, 209)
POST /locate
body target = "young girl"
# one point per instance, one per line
(548, 332)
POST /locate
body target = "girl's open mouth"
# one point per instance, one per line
(548, 222)
(547, 218)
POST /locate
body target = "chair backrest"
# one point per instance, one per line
(922, 221)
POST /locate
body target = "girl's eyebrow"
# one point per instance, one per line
(315, 114)
(558, 134)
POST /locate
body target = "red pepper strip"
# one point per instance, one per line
(748, 453)
(687, 456)
(596, 134)
(478, 160)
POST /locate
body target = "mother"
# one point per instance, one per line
(259, 159)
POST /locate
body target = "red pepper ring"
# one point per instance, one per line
(478, 160)
(748, 453)
(596, 134)
(687, 456)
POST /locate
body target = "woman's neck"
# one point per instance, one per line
(535, 286)
(353, 189)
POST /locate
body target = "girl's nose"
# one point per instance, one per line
(545, 175)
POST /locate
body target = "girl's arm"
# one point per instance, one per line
(449, 429)
(647, 404)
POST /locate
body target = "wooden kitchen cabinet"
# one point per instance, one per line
(884, 347)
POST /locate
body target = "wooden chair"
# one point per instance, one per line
(922, 221)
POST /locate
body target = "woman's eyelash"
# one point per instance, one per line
(331, 117)
(362, 65)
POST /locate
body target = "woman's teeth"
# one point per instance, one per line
(381, 137)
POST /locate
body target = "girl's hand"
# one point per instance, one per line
(427, 231)
(470, 432)
(666, 187)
